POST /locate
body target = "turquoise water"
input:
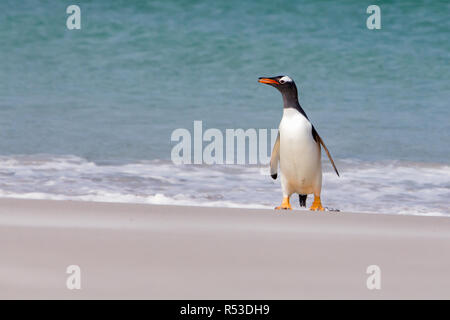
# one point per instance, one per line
(118, 87)
(114, 91)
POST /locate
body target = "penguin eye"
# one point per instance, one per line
(281, 81)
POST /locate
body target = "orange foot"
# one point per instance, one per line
(285, 204)
(317, 205)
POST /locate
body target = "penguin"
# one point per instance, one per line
(297, 149)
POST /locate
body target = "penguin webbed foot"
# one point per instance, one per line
(285, 205)
(316, 205)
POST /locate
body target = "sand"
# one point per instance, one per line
(174, 252)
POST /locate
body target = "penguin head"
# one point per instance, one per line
(282, 83)
(278, 81)
(285, 85)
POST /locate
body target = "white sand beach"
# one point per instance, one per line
(174, 252)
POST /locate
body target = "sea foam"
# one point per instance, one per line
(379, 187)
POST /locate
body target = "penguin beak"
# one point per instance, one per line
(268, 81)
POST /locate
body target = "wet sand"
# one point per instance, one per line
(174, 252)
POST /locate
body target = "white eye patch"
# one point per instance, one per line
(285, 79)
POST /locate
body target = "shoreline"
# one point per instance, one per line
(365, 186)
(175, 252)
(233, 206)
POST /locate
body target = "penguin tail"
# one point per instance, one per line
(302, 199)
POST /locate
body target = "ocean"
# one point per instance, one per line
(88, 114)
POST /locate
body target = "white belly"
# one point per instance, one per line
(300, 158)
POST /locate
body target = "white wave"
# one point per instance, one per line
(379, 187)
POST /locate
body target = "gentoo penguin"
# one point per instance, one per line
(297, 149)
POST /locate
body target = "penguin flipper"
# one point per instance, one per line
(320, 141)
(275, 158)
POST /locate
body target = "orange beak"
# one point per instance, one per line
(267, 81)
